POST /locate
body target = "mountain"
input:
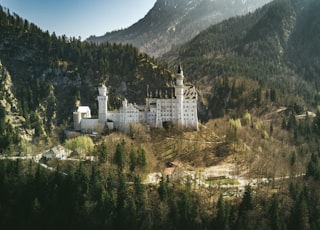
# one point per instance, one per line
(240, 64)
(48, 76)
(261, 70)
(173, 22)
(277, 47)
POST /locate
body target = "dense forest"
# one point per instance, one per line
(50, 76)
(257, 77)
(110, 194)
(277, 47)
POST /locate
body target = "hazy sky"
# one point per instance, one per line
(82, 18)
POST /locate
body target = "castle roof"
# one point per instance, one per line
(83, 109)
(190, 92)
(165, 92)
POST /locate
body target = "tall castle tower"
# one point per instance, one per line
(179, 91)
(103, 103)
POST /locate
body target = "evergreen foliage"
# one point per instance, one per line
(32, 197)
(262, 47)
(8, 135)
(51, 74)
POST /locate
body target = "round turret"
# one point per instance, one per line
(179, 91)
(103, 103)
(179, 77)
(77, 121)
(103, 90)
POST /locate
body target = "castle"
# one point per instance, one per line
(176, 104)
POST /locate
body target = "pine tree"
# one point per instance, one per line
(142, 159)
(102, 152)
(300, 213)
(273, 95)
(274, 213)
(163, 190)
(122, 202)
(223, 213)
(95, 183)
(316, 123)
(133, 160)
(245, 206)
(119, 156)
(313, 168)
(187, 209)
(139, 193)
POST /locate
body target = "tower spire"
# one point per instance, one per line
(179, 91)
(180, 71)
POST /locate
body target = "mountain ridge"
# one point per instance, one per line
(268, 46)
(170, 23)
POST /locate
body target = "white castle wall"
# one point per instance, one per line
(91, 125)
(161, 105)
(114, 116)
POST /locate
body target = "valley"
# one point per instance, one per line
(253, 163)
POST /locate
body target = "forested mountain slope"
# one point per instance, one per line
(257, 73)
(51, 75)
(277, 46)
(170, 23)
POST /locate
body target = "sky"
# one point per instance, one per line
(80, 18)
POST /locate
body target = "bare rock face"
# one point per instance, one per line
(9, 103)
(173, 22)
(8, 100)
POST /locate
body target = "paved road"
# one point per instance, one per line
(35, 158)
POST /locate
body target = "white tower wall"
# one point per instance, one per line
(76, 121)
(103, 104)
(179, 91)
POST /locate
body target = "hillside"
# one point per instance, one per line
(10, 120)
(241, 64)
(174, 22)
(50, 75)
(281, 186)
(276, 46)
(253, 164)
(247, 63)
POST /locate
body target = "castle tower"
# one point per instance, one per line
(103, 103)
(179, 91)
(77, 121)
